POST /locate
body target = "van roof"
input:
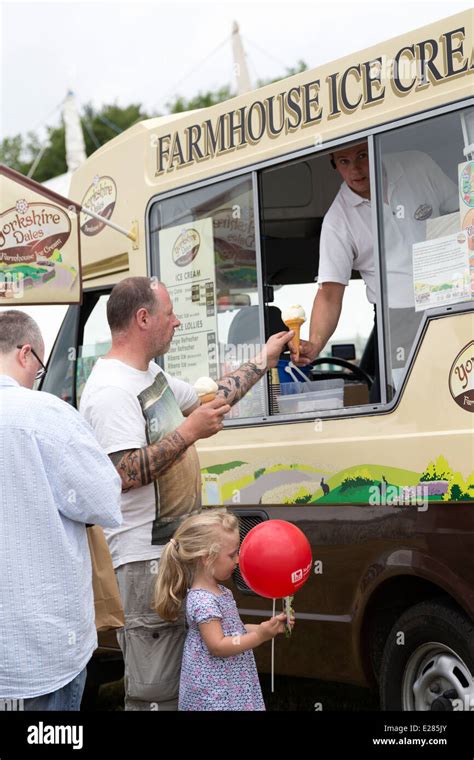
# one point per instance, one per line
(310, 109)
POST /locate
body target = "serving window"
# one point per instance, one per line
(426, 212)
(294, 199)
(235, 255)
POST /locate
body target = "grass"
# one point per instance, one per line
(218, 469)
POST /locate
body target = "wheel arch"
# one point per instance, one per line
(387, 599)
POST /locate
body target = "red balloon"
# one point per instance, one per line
(275, 559)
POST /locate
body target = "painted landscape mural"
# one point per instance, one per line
(365, 484)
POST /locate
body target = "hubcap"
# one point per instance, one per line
(432, 671)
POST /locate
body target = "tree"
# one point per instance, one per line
(290, 71)
(201, 100)
(439, 470)
(53, 161)
(443, 470)
(210, 98)
(12, 150)
(100, 126)
(458, 489)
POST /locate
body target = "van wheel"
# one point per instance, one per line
(428, 660)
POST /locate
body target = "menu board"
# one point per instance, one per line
(441, 271)
(187, 268)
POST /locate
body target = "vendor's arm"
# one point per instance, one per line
(324, 319)
(236, 384)
(336, 261)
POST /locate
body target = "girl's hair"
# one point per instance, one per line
(197, 537)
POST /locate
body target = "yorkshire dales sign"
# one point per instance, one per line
(366, 84)
(39, 244)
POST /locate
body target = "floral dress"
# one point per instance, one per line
(216, 683)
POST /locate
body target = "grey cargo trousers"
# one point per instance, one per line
(152, 648)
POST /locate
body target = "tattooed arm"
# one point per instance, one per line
(140, 467)
(236, 384)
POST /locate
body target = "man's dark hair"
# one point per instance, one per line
(126, 298)
(17, 329)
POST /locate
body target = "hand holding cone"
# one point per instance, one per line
(293, 318)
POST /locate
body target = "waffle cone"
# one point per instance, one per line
(295, 324)
(207, 397)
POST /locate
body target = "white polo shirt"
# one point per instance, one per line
(417, 189)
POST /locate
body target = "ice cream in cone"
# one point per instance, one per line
(294, 317)
(207, 397)
(206, 389)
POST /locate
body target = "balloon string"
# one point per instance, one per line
(273, 652)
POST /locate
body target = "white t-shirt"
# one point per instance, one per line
(417, 189)
(129, 409)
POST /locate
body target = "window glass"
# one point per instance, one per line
(96, 342)
(203, 250)
(59, 378)
(294, 202)
(424, 255)
(355, 323)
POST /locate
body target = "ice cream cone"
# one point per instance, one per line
(295, 324)
(207, 397)
(206, 389)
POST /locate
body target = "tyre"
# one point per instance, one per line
(428, 660)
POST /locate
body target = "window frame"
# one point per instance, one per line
(252, 170)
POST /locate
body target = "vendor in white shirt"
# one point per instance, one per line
(415, 189)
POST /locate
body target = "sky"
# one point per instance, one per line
(150, 52)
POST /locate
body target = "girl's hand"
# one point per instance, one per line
(271, 628)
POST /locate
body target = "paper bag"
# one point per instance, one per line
(108, 605)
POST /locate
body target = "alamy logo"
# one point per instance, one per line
(12, 705)
(42, 734)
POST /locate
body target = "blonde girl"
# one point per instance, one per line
(218, 669)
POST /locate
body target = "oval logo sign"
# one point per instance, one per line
(33, 233)
(461, 378)
(100, 198)
(186, 247)
(423, 212)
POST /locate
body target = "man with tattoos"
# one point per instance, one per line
(148, 422)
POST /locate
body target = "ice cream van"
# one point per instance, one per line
(369, 449)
